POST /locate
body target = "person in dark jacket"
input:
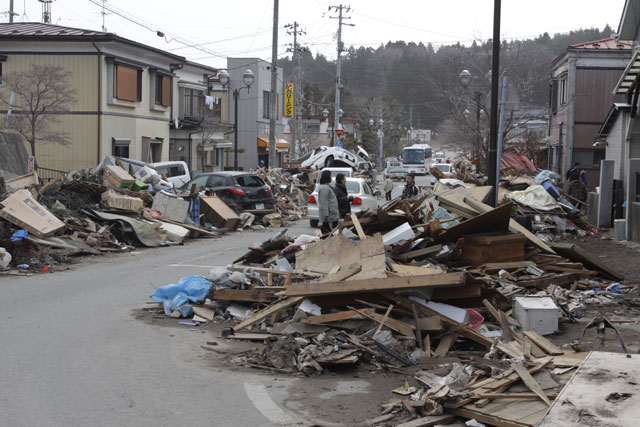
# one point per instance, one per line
(344, 200)
(573, 174)
(410, 188)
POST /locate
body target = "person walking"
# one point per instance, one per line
(344, 199)
(327, 204)
(388, 188)
(573, 174)
(410, 188)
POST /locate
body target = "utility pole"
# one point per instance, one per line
(336, 106)
(11, 13)
(274, 89)
(493, 128)
(293, 148)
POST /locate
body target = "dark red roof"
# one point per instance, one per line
(609, 44)
(517, 161)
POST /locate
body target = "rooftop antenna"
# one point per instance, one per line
(46, 11)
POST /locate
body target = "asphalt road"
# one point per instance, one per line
(72, 353)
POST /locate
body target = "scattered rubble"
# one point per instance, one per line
(455, 295)
(120, 205)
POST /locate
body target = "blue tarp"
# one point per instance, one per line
(19, 235)
(188, 289)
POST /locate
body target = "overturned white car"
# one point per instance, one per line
(322, 157)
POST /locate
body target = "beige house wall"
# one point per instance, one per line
(80, 123)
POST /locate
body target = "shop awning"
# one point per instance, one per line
(280, 143)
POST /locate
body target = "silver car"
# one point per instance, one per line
(364, 199)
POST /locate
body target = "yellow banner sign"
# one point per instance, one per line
(288, 100)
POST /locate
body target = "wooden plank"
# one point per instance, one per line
(569, 270)
(431, 324)
(445, 344)
(263, 314)
(411, 270)
(376, 285)
(495, 219)
(419, 252)
(358, 227)
(513, 349)
(391, 323)
(558, 280)
(191, 227)
(336, 317)
(513, 225)
(251, 295)
(416, 321)
(511, 396)
(204, 312)
(492, 267)
(530, 382)
(253, 337)
(543, 343)
(384, 319)
(470, 290)
(576, 253)
(429, 421)
(463, 330)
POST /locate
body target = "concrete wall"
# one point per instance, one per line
(615, 145)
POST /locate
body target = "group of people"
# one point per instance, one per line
(334, 201)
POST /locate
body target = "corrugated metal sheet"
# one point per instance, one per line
(517, 161)
(594, 93)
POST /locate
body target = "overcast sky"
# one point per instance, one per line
(225, 28)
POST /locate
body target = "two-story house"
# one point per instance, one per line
(254, 112)
(199, 133)
(123, 92)
(315, 131)
(583, 79)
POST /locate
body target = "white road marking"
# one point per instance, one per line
(260, 398)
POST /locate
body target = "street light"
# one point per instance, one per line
(465, 78)
(247, 78)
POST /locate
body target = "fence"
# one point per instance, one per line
(46, 174)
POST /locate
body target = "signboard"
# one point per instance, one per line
(339, 132)
(337, 143)
(31, 164)
(288, 100)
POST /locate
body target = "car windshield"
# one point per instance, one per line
(305, 157)
(444, 167)
(413, 157)
(249, 181)
(344, 172)
(439, 156)
(353, 187)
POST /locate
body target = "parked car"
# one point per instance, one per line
(348, 172)
(242, 191)
(177, 172)
(364, 199)
(395, 172)
(322, 157)
(446, 169)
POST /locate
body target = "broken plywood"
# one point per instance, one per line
(323, 256)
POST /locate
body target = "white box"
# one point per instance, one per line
(539, 314)
(398, 234)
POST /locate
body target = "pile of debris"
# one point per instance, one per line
(290, 191)
(443, 288)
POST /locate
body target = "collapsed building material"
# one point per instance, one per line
(23, 210)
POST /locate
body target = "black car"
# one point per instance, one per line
(240, 190)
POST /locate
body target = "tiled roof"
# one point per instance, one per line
(609, 44)
(39, 29)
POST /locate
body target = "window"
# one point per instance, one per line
(554, 96)
(200, 182)
(312, 128)
(353, 187)
(563, 90)
(216, 181)
(193, 103)
(120, 147)
(249, 181)
(151, 150)
(128, 84)
(170, 171)
(266, 104)
(163, 90)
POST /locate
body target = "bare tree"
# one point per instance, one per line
(36, 98)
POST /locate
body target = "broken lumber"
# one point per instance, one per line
(530, 382)
(336, 317)
(263, 314)
(250, 295)
(429, 421)
(376, 285)
(576, 253)
(543, 343)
